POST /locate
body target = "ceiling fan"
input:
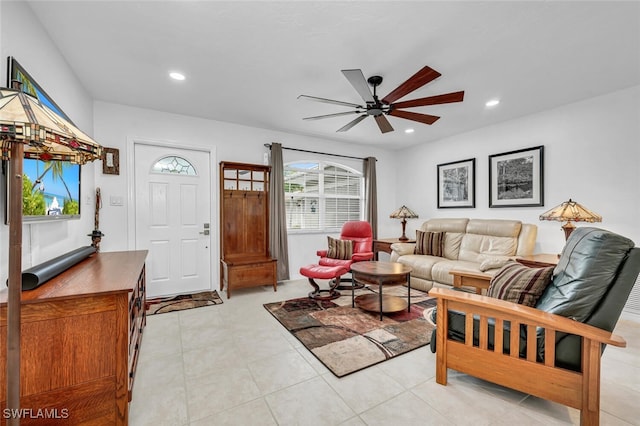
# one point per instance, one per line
(380, 108)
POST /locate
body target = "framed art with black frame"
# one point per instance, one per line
(516, 178)
(457, 184)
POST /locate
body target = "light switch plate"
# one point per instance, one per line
(116, 200)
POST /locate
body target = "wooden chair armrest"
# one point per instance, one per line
(510, 311)
(470, 274)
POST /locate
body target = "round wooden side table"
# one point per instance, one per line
(381, 273)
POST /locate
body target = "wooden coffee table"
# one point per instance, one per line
(381, 273)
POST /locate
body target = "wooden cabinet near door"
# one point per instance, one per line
(245, 259)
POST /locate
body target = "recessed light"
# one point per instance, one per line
(177, 76)
(492, 102)
(409, 131)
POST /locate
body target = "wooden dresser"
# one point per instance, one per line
(244, 227)
(81, 334)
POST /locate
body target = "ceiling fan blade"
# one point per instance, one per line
(357, 80)
(352, 123)
(416, 81)
(432, 100)
(329, 101)
(422, 118)
(383, 123)
(337, 114)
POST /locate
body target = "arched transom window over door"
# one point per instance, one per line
(174, 165)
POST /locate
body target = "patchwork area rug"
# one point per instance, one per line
(181, 302)
(347, 339)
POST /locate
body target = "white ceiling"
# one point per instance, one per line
(247, 62)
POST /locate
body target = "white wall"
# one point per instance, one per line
(592, 155)
(118, 126)
(22, 38)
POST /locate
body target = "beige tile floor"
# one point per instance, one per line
(234, 364)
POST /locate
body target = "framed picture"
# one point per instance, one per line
(457, 184)
(516, 178)
(110, 161)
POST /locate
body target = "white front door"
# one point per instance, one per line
(173, 211)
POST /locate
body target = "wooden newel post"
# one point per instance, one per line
(15, 279)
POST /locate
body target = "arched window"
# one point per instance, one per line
(322, 195)
(174, 165)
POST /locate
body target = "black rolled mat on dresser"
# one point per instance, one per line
(39, 274)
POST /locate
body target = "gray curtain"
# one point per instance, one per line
(371, 194)
(278, 215)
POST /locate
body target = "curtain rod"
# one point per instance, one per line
(268, 145)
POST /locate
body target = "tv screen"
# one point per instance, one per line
(50, 189)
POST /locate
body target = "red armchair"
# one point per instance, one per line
(359, 232)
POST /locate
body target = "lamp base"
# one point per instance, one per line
(404, 225)
(568, 229)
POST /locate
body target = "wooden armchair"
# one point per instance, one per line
(552, 356)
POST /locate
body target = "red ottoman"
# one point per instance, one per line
(332, 273)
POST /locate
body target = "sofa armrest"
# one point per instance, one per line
(403, 249)
(322, 253)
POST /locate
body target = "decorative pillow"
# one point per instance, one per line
(520, 284)
(340, 249)
(488, 261)
(430, 243)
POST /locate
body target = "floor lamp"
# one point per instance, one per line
(29, 129)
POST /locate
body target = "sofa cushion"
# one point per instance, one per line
(340, 249)
(429, 243)
(453, 229)
(490, 261)
(445, 225)
(587, 266)
(487, 236)
(420, 264)
(451, 248)
(473, 245)
(494, 227)
(441, 270)
(520, 284)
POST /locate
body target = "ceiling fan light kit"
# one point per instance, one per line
(379, 109)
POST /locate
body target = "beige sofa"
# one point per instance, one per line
(476, 245)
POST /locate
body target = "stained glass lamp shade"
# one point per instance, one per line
(570, 211)
(403, 213)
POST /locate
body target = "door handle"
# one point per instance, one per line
(205, 232)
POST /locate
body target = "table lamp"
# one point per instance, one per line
(570, 211)
(403, 213)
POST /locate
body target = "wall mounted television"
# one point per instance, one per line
(50, 189)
